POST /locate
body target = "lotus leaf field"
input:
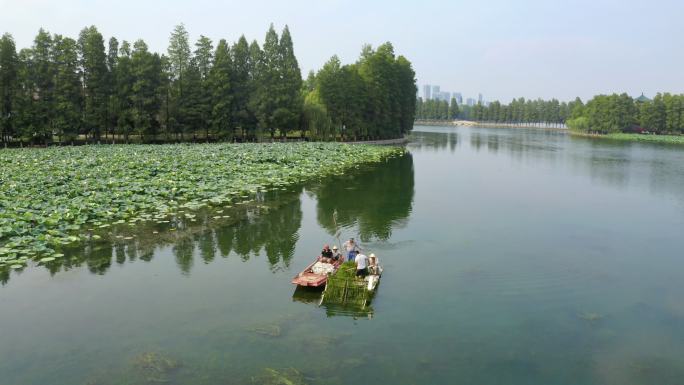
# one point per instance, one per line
(54, 197)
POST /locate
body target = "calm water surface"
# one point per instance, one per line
(511, 257)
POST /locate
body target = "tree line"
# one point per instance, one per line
(602, 114)
(518, 111)
(621, 113)
(63, 89)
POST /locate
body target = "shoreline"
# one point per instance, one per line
(632, 137)
(383, 142)
(471, 123)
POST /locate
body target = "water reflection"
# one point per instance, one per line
(314, 297)
(270, 223)
(435, 140)
(375, 201)
(476, 140)
(618, 164)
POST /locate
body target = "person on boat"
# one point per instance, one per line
(326, 254)
(352, 248)
(336, 254)
(361, 264)
(372, 264)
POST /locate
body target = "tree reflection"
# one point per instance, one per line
(269, 224)
(272, 229)
(375, 200)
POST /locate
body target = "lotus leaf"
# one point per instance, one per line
(50, 195)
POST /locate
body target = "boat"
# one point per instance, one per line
(316, 274)
(344, 288)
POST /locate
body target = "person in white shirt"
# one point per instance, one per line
(361, 265)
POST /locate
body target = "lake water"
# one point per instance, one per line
(511, 256)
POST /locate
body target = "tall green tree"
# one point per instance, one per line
(241, 115)
(124, 92)
(220, 81)
(453, 109)
(146, 70)
(192, 106)
(179, 54)
(256, 68)
(204, 57)
(9, 63)
(68, 90)
(266, 94)
(289, 106)
(112, 60)
(95, 80)
(43, 78)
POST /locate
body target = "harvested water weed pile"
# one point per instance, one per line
(344, 288)
(59, 196)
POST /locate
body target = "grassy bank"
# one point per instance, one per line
(669, 139)
(59, 196)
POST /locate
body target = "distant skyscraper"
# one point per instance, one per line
(435, 91)
(458, 97)
(470, 102)
(426, 92)
(479, 98)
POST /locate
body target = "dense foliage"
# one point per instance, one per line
(373, 98)
(62, 89)
(618, 113)
(53, 197)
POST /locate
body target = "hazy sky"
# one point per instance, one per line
(502, 49)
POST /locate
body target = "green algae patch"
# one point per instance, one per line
(60, 196)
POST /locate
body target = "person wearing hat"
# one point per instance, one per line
(336, 254)
(372, 264)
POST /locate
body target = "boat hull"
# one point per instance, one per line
(308, 278)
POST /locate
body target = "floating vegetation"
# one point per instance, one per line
(288, 376)
(50, 198)
(155, 367)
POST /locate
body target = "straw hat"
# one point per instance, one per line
(335, 247)
(371, 256)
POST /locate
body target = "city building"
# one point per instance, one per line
(433, 92)
(470, 102)
(426, 92)
(443, 96)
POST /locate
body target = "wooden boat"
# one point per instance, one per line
(316, 274)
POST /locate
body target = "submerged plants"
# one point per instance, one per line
(288, 376)
(590, 317)
(154, 367)
(50, 198)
